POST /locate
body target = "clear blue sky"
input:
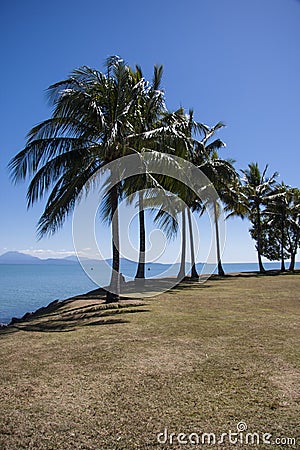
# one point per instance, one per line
(232, 60)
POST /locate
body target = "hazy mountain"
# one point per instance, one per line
(22, 258)
(18, 258)
(14, 257)
(75, 259)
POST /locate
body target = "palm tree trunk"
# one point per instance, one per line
(141, 265)
(294, 251)
(220, 267)
(113, 294)
(194, 273)
(181, 273)
(292, 263)
(260, 264)
(282, 248)
(282, 269)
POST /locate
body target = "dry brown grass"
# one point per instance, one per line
(198, 358)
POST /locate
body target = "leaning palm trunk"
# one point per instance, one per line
(194, 273)
(141, 265)
(181, 273)
(220, 267)
(113, 294)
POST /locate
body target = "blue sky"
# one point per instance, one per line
(235, 61)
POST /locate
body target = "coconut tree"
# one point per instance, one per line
(146, 118)
(257, 190)
(169, 203)
(167, 207)
(222, 175)
(280, 226)
(169, 223)
(186, 144)
(90, 126)
(202, 153)
(194, 273)
(174, 137)
(182, 267)
(293, 232)
(276, 223)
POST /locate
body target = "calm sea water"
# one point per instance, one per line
(28, 287)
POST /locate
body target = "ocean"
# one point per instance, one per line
(27, 287)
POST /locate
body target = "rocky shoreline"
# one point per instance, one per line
(52, 306)
(30, 315)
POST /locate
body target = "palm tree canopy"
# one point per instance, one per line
(257, 187)
(93, 123)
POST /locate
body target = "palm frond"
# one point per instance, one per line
(66, 193)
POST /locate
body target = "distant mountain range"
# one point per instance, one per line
(22, 258)
(14, 257)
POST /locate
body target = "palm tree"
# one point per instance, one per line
(90, 127)
(174, 137)
(281, 230)
(147, 117)
(194, 273)
(293, 234)
(168, 199)
(276, 221)
(203, 154)
(222, 175)
(182, 268)
(256, 191)
(185, 146)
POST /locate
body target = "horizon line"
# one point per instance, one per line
(121, 257)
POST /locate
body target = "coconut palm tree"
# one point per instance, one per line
(169, 223)
(203, 154)
(90, 126)
(293, 234)
(166, 208)
(222, 175)
(146, 118)
(174, 137)
(281, 229)
(276, 222)
(190, 130)
(257, 190)
(194, 273)
(182, 267)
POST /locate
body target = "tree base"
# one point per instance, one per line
(111, 297)
(194, 278)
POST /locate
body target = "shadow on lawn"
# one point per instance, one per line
(55, 320)
(59, 316)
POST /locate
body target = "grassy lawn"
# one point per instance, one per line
(199, 358)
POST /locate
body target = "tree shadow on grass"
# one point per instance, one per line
(73, 319)
(267, 273)
(190, 286)
(62, 326)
